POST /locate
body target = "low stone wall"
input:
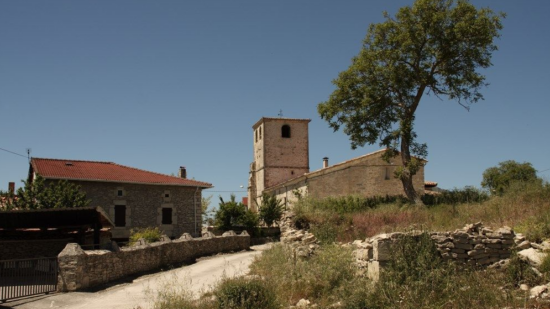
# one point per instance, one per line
(473, 244)
(79, 269)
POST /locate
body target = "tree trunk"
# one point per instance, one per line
(406, 177)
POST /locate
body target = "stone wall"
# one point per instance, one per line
(473, 244)
(28, 249)
(368, 176)
(79, 269)
(144, 205)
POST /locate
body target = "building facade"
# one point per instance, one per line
(132, 198)
(281, 152)
(281, 168)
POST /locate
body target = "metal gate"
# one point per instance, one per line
(26, 277)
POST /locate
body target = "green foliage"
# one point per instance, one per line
(233, 213)
(243, 293)
(229, 213)
(205, 204)
(150, 234)
(433, 46)
(250, 221)
(519, 272)
(498, 179)
(457, 196)
(39, 195)
(271, 209)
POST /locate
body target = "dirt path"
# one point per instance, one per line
(195, 278)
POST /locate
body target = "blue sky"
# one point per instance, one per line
(159, 84)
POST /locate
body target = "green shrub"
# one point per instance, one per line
(150, 234)
(250, 221)
(229, 213)
(243, 293)
(519, 271)
(271, 209)
(466, 195)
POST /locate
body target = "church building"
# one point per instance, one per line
(281, 168)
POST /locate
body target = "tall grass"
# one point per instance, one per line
(525, 207)
(419, 280)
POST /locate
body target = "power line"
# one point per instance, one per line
(548, 169)
(15, 153)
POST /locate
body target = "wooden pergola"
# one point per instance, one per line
(79, 219)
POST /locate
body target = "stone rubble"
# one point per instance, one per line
(302, 242)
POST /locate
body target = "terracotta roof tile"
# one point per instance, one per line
(430, 183)
(105, 171)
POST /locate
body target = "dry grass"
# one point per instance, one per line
(526, 208)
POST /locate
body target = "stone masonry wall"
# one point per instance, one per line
(144, 203)
(28, 249)
(79, 269)
(473, 244)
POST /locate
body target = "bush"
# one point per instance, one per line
(150, 234)
(229, 213)
(465, 195)
(519, 271)
(250, 221)
(271, 209)
(243, 293)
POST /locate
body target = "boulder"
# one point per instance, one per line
(532, 256)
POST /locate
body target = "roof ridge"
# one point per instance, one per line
(157, 173)
(72, 160)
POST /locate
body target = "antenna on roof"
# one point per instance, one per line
(280, 113)
(29, 154)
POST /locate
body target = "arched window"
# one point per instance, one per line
(285, 131)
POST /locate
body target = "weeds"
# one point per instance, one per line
(150, 234)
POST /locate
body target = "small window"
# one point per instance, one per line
(167, 216)
(387, 174)
(119, 192)
(260, 132)
(120, 215)
(291, 172)
(285, 131)
(256, 134)
(167, 195)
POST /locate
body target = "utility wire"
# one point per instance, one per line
(15, 153)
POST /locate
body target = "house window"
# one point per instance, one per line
(387, 174)
(166, 215)
(260, 132)
(120, 192)
(285, 131)
(120, 215)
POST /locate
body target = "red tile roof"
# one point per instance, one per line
(430, 184)
(105, 171)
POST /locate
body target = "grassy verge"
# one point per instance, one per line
(525, 208)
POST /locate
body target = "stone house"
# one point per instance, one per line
(133, 198)
(281, 167)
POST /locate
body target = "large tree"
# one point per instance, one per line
(498, 179)
(434, 47)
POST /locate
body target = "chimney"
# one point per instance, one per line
(182, 173)
(11, 187)
(325, 162)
